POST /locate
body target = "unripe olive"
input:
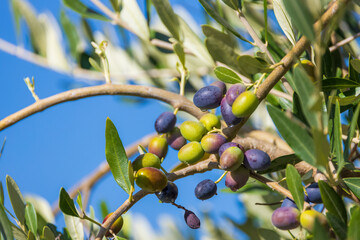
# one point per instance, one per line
(286, 218)
(175, 139)
(115, 227)
(192, 131)
(191, 153)
(307, 219)
(151, 179)
(158, 146)
(231, 158)
(210, 121)
(237, 179)
(191, 219)
(146, 160)
(212, 142)
(309, 68)
(245, 104)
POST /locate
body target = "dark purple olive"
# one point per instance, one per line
(212, 142)
(175, 139)
(229, 144)
(287, 202)
(237, 179)
(208, 97)
(313, 193)
(165, 122)
(191, 220)
(233, 92)
(226, 113)
(286, 218)
(220, 85)
(168, 194)
(256, 160)
(205, 189)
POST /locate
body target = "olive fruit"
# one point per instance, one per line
(237, 179)
(287, 202)
(309, 68)
(191, 153)
(256, 160)
(233, 92)
(146, 160)
(307, 219)
(151, 179)
(191, 219)
(165, 122)
(286, 218)
(231, 158)
(220, 85)
(229, 144)
(175, 139)
(212, 142)
(226, 113)
(168, 194)
(115, 227)
(192, 131)
(210, 121)
(205, 189)
(313, 193)
(208, 97)
(158, 146)
(245, 104)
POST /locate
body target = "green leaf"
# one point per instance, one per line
(66, 204)
(354, 185)
(116, 5)
(332, 201)
(354, 230)
(5, 224)
(253, 64)
(1, 194)
(344, 101)
(83, 10)
(31, 236)
(296, 136)
(351, 133)
(75, 227)
(280, 163)
(339, 226)
(104, 209)
(18, 233)
(47, 234)
(221, 20)
(334, 83)
(79, 201)
(16, 199)
(179, 51)
(234, 4)
(301, 17)
(227, 75)
(338, 138)
(319, 231)
(95, 65)
(71, 33)
(353, 74)
(2, 147)
(168, 17)
(116, 156)
(293, 181)
(31, 218)
(284, 20)
(131, 174)
(355, 63)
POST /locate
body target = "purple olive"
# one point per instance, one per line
(286, 218)
(220, 85)
(212, 142)
(205, 189)
(287, 202)
(208, 97)
(175, 139)
(233, 92)
(237, 179)
(165, 122)
(256, 160)
(191, 220)
(229, 144)
(231, 158)
(313, 193)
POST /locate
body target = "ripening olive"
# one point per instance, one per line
(205, 189)
(307, 219)
(165, 122)
(237, 179)
(245, 104)
(233, 92)
(257, 160)
(146, 160)
(212, 142)
(191, 219)
(231, 158)
(226, 113)
(115, 227)
(158, 146)
(175, 139)
(191, 153)
(192, 131)
(210, 121)
(286, 218)
(230, 144)
(151, 179)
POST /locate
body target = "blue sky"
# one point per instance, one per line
(59, 146)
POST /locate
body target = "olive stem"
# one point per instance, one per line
(163, 169)
(85, 217)
(259, 82)
(131, 193)
(293, 237)
(222, 176)
(178, 206)
(176, 111)
(141, 149)
(182, 81)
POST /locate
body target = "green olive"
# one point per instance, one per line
(210, 121)
(307, 219)
(245, 104)
(146, 160)
(191, 153)
(192, 131)
(115, 227)
(151, 179)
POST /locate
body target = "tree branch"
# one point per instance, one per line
(173, 99)
(343, 42)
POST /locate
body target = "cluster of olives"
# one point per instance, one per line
(288, 216)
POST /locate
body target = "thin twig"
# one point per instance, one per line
(343, 42)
